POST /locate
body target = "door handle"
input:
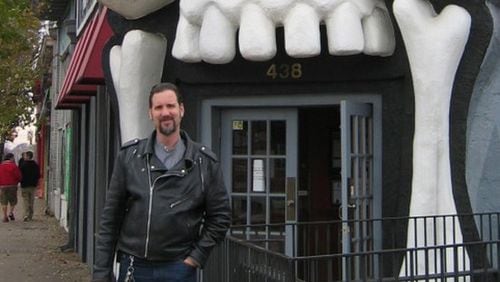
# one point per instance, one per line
(290, 203)
(349, 206)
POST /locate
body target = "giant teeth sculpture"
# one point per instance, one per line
(207, 28)
(206, 31)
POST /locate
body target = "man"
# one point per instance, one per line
(166, 206)
(30, 172)
(9, 178)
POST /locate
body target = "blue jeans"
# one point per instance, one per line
(149, 271)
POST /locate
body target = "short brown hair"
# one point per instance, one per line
(160, 87)
(29, 154)
(8, 156)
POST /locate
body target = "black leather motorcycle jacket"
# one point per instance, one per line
(159, 214)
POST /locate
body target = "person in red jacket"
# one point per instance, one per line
(10, 176)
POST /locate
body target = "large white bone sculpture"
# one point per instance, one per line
(136, 66)
(207, 28)
(435, 44)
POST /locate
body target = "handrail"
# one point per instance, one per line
(252, 253)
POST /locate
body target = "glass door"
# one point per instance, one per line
(357, 207)
(259, 157)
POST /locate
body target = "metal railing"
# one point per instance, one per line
(378, 250)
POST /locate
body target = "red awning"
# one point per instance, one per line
(85, 69)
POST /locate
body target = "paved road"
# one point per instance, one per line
(29, 251)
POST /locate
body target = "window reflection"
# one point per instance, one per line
(259, 137)
(240, 137)
(258, 210)
(278, 137)
(277, 210)
(239, 181)
(277, 174)
(239, 210)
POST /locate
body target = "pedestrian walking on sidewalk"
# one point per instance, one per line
(9, 179)
(166, 206)
(30, 172)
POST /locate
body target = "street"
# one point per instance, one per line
(30, 251)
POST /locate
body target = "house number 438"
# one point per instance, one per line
(285, 71)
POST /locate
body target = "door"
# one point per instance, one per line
(357, 204)
(259, 157)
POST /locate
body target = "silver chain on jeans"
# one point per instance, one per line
(130, 270)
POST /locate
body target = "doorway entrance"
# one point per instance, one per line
(336, 182)
(320, 189)
(288, 166)
(319, 164)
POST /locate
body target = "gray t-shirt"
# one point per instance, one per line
(170, 157)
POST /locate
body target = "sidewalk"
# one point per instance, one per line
(29, 251)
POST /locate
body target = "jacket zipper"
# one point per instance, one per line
(178, 202)
(201, 176)
(150, 208)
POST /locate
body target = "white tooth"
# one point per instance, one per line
(186, 46)
(231, 8)
(115, 61)
(302, 36)
(217, 37)
(193, 10)
(434, 45)
(366, 6)
(257, 36)
(133, 9)
(275, 8)
(378, 34)
(325, 5)
(344, 30)
(141, 67)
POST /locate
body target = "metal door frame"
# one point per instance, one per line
(290, 193)
(357, 173)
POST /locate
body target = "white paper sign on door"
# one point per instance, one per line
(259, 183)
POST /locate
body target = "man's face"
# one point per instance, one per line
(12, 136)
(166, 113)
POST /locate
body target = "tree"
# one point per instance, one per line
(19, 42)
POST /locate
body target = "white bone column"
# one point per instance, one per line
(136, 66)
(434, 44)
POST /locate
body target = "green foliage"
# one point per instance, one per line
(19, 42)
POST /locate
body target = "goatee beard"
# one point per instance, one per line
(169, 130)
